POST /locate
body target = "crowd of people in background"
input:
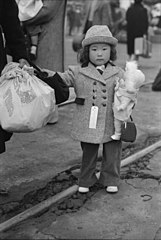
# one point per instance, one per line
(77, 12)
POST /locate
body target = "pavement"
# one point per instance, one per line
(32, 159)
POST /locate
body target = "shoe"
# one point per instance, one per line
(112, 189)
(83, 189)
(116, 137)
(98, 175)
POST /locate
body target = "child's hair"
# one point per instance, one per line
(83, 55)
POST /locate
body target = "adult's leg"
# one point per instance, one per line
(89, 160)
(110, 169)
(130, 47)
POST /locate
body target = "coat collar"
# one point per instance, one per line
(92, 72)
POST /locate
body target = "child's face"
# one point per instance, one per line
(99, 53)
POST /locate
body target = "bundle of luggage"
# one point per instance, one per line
(26, 102)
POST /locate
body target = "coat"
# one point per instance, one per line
(92, 88)
(137, 24)
(137, 20)
(10, 25)
(15, 41)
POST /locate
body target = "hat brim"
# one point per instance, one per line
(99, 39)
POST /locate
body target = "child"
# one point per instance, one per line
(33, 14)
(28, 10)
(94, 83)
(125, 96)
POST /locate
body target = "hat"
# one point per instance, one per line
(99, 34)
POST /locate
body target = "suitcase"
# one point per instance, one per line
(143, 47)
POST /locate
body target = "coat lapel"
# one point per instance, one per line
(110, 71)
(93, 73)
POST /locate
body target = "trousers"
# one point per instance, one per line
(110, 167)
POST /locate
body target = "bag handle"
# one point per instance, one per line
(40, 73)
(34, 65)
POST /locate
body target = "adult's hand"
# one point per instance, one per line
(23, 62)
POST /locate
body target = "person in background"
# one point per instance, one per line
(118, 16)
(11, 35)
(137, 25)
(70, 18)
(28, 10)
(33, 14)
(98, 13)
(77, 19)
(93, 122)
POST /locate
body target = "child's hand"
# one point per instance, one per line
(23, 62)
(30, 70)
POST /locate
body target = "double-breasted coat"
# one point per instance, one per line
(92, 89)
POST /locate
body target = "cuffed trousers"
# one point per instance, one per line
(110, 169)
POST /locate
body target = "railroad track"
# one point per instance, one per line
(47, 203)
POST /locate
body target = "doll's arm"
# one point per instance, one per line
(120, 83)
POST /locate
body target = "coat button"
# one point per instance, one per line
(94, 97)
(104, 104)
(94, 90)
(104, 97)
(104, 90)
(94, 83)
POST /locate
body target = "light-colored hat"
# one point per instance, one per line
(99, 34)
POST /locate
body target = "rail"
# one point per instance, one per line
(69, 191)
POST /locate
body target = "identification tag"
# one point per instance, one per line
(93, 117)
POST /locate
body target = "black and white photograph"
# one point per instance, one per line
(80, 119)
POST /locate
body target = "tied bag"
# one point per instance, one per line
(26, 102)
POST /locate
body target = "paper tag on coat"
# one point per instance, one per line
(93, 117)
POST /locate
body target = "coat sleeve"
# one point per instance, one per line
(12, 30)
(70, 75)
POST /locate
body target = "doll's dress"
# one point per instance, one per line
(122, 95)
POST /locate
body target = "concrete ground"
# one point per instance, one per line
(34, 158)
(131, 214)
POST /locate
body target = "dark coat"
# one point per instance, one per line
(137, 24)
(14, 38)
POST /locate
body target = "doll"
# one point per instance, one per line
(125, 96)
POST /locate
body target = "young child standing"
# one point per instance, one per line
(93, 122)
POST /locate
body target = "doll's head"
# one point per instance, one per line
(134, 78)
(99, 46)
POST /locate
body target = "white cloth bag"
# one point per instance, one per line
(26, 102)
